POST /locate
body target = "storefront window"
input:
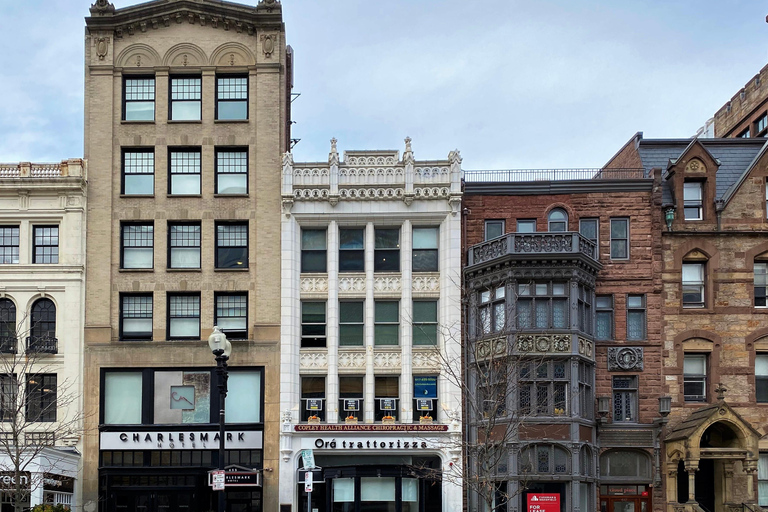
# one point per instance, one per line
(410, 495)
(122, 402)
(343, 495)
(377, 494)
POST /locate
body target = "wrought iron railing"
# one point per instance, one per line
(42, 345)
(522, 175)
(531, 244)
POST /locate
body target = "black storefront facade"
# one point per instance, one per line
(159, 439)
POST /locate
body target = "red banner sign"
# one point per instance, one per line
(543, 503)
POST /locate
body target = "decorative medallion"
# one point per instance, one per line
(102, 44)
(625, 359)
(267, 45)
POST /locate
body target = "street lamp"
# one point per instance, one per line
(221, 348)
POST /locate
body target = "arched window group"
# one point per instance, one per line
(544, 459)
(42, 326)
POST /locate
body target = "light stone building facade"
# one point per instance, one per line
(371, 315)
(42, 286)
(186, 119)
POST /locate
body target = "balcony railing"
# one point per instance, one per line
(522, 175)
(42, 345)
(8, 344)
(544, 243)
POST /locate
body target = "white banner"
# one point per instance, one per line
(180, 440)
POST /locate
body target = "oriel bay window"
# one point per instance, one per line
(138, 172)
(492, 309)
(351, 250)
(41, 397)
(232, 245)
(137, 245)
(312, 324)
(231, 171)
(387, 391)
(351, 326)
(139, 98)
(424, 322)
(351, 398)
(232, 314)
(314, 250)
(386, 322)
(425, 254)
(312, 398)
(184, 245)
(136, 317)
(184, 316)
(542, 305)
(186, 98)
(543, 388)
(231, 98)
(184, 171)
(386, 257)
(544, 459)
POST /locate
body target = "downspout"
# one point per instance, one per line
(719, 207)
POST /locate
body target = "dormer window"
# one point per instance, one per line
(693, 200)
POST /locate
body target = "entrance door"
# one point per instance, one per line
(154, 501)
(627, 504)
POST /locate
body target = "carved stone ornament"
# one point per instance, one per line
(625, 359)
(267, 45)
(102, 45)
(102, 7)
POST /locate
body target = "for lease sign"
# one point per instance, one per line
(543, 503)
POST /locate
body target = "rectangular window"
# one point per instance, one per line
(744, 134)
(9, 244)
(314, 250)
(351, 324)
(312, 398)
(695, 377)
(424, 322)
(184, 245)
(312, 324)
(619, 239)
(526, 225)
(425, 395)
(9, 393)
(693, 285)
(186, 98)
(386, 391)
(493, 228)
(138, 172)
(139, 99)
(231, 172)
(586, 393)
(589, 229)
(636, 317)
(232, 314)
(604, 317)
(184, 172)
(231, 98)
(761, 284)
(46, 244)
(183, 316)
(761, 124)
(425, 249)
(137, 246)
(351, 250)
(41, 397)
(762, 480)
(761, 378)
(386, 256)
(543, 388)
(136, 317)
(386, 322)
(122, 398)
(692, 200)
(542, 305)
(232, 245)
(584, 304)
(625, 399)
(243, 402)
(492, 309)
(351, 398)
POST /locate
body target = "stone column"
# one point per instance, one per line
(333, 414)
(672, 484)
(728, 473)
(692, 469)
(369, 324)
(750, 471)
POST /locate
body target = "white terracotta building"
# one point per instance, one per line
(371, 314)
(42, 260)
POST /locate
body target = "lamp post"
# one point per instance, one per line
(221, 348)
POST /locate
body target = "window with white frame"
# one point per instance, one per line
(138, 172)
(493, 228)
(619, 239)
(232, 314)
(693, 285)
(184, 175)
(137, 245)
(761, 378)
(693, 200)
(542, 305)
(543, 388)
(136, 316)
(231, 171)
(625, 398)
(424, 253)
(761, 284)
(492, 309)
(695, 377)
(184, 245)
(9, 244)
(636, 317)
(183, 316)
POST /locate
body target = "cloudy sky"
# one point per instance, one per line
(510, 83)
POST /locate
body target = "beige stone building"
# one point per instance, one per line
(185, 122)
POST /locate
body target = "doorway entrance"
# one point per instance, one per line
(625, 498)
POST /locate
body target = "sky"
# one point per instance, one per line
(509, 83)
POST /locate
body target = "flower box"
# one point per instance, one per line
(425, 419)
(313, 419)
(388, 420)
(350, 421)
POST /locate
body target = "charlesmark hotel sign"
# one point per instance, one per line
(245, 440)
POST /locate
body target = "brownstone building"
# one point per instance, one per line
(564, 267)
(185, 123)
(746, 114)
(714, 335)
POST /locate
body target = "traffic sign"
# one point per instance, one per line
(308, 481)
(218, 479)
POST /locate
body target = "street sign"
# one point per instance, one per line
(308, 459)
(308, 481)
(218, 480)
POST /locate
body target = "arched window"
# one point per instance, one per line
(7, 326)
(625, 464)
(544, 459)
(42, 332)
(585, 458)
(558, 220)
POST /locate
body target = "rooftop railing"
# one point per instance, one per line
(522, 175)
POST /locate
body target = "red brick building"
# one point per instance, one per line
(570, 260)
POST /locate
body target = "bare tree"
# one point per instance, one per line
(38, 409)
